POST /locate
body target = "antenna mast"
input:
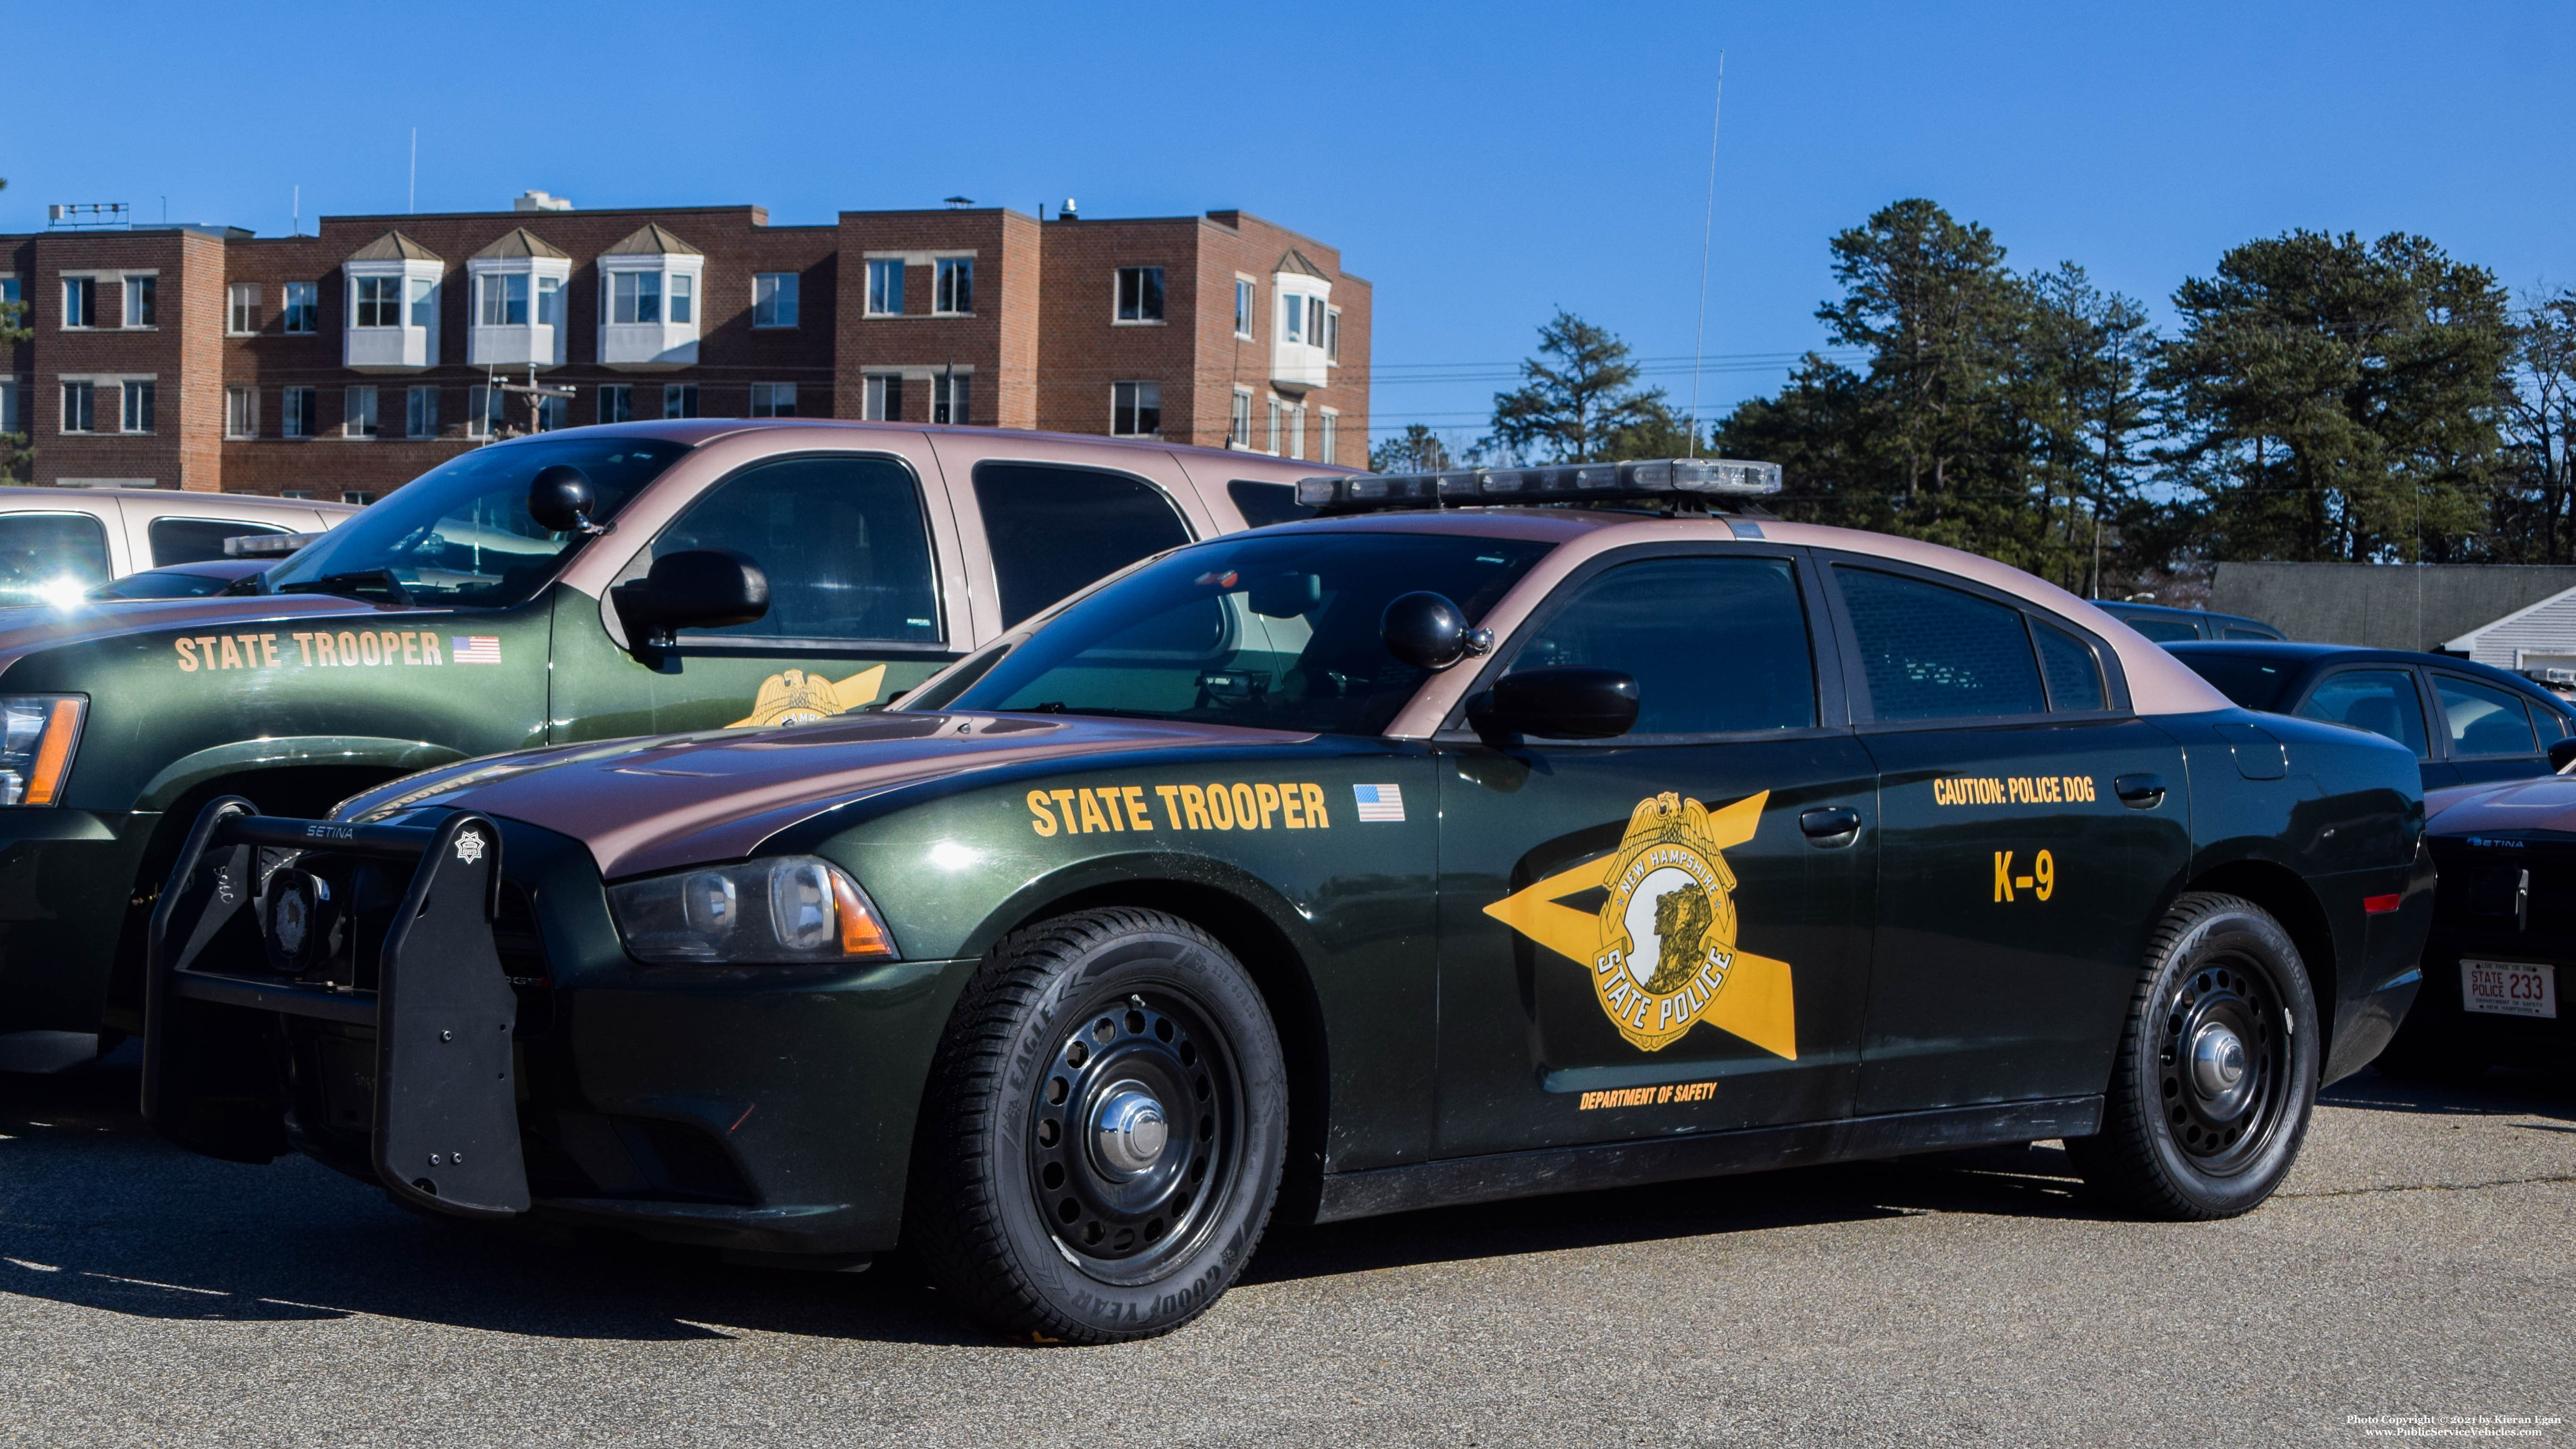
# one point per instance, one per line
(1707, 229)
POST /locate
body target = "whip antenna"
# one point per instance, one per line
(1707, 228)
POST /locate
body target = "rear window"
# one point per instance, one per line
(1262, 504)
(197, 540)
(2249, 683)
(50, 557)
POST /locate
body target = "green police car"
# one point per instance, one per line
(1490, 834)
(449, 621)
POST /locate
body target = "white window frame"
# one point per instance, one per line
(765, 395)
(362, 305)
(891, 266)
(1273, 449)
(1292, 317)
(795, 302)
(1247, 305)
(941, 269)
(1135, 390)
(624, 391)
(1238, 420)
(241, 306)
(291, 416)
(616, 306)
(1332, 336)
(1297, 432)
(679, 400)
(125, 408)
(133, 285)
(312, 308)
(360, 400)
(873, 406)
(87, 286)
(411, 412)
(1118, 282)
(492, 296)
(65, 421)
(1328, 435)
(947, 391)
(241, 413)
(484, 416)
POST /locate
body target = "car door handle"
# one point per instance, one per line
(2140, 792)
(1831, 827)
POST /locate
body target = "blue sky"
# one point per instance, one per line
(1480, 164)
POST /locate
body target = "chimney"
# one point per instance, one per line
(1068, 213)
(540, 201)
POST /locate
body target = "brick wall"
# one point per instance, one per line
(1041, 347)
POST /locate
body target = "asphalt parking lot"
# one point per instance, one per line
(2419, 1263)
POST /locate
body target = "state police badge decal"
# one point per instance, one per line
(1662, 951)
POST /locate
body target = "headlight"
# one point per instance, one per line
(37, 735)
(795, 908)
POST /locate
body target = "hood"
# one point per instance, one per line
(35, 628)
(2546, 804)
(658, 804)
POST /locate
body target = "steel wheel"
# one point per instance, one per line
(1130, 1135)
(2225, 1060)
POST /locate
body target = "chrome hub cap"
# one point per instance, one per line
(2217, 1061)
(1128, 1132)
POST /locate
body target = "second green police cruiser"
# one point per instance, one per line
(1495, 833)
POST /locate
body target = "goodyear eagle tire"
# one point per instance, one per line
(2216, 1074)
(1103, 1133)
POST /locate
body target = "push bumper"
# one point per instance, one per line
(445, 1129)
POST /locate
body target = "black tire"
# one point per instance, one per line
(2180, 1138)
(1045, 1201)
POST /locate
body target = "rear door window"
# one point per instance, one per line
(50, 557)
(842, 539)
(2073, 670)
(1262, 504)
(2382, 701)
(1929, 652)
(2483, 721)
(1052, 530)
(2163, 631)
(197, 540)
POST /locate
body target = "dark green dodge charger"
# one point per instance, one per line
(1490, 834)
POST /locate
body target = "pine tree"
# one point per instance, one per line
(2336, 400)
(1579, 396)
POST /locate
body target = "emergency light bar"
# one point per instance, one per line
(1560, 483)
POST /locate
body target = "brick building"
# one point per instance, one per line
(346, 362)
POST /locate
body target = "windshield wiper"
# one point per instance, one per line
(349, 584)
(1057, 706)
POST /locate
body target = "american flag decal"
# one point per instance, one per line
(1380, 802)
(474, 648)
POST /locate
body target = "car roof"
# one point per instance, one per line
(2310, 656)
(694, 432)
(15, 498)
(2158, 682)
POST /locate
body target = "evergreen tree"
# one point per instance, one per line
(1415, 450)
(2082, 373)
(2532, 519)
(1578, 398)
(2331, 399)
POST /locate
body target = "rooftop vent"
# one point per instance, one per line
(540, 201)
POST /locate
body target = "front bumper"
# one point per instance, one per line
(65, 879)
(760, 1109)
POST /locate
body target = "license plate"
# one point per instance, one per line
(2509, 988)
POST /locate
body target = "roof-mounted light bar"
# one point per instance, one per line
(1560, 483)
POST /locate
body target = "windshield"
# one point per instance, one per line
(461, 535)
(1273, 632)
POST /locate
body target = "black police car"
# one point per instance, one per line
(2484, 724)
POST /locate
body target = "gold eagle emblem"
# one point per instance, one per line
(796, 697)
(1662, 949)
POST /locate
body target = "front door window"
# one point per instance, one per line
(843, 541)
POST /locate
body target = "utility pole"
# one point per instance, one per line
(536, 393)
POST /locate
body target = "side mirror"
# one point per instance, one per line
(697, 588)
(1571, 703)
(2562, 753)
(560, 499)
(1427, 631)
